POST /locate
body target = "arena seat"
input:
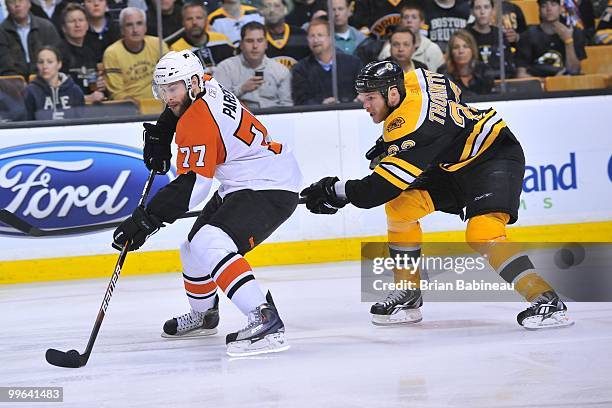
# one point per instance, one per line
(577, 82)
(530, 9)
(599, 60)
(150, 106)
(109, 109)
(516, 85)
(14, 81)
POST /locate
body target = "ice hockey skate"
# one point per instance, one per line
(399, 307)
(264, 333)
(546, 311)
(193, 324)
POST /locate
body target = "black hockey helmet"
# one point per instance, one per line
(380, 76)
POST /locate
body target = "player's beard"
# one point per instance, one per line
(185, 104)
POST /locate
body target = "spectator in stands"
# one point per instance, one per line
(212, 5)
(257, 80)
(444, 17)
(209, 46)
(427, 52)
(21, 36)
(230, 17)
(375, 47)
(303, 11)
(3, 12)
(103, 30)
(514, 22)
(347, 37)
(487, 39)
(550, 48)
(603, 35)
(129, 63)
(377, 15)
(172, 20)
(287, 44)
(79, 61)
(115, 7)
(50, 10)
(52, 94)
(12, 107)
(312, 77)
(402, 48)
(579, 14)
(463, 66)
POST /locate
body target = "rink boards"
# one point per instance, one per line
(79, 175)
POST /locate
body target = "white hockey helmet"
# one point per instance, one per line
(178, 66)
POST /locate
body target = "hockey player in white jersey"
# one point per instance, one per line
(216, 136)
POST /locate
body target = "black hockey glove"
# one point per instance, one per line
(156, 152)
(137, 228)
(321, 198)
(376, 153)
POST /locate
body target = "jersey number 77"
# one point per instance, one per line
(250, 128)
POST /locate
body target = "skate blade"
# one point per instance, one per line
(272, 343)
(191, 335)
(558, 320)
(403, 317)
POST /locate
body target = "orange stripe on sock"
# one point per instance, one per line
(233, 270)
(203, 289)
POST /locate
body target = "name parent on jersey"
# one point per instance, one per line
(216, 137)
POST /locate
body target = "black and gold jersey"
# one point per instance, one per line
(431, 127)
(289, 47)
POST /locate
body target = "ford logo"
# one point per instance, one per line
(69, 184)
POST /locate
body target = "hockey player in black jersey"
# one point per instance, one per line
(440, 155)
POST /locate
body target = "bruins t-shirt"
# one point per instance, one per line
(544, 54)
(443, 22)
(489, 54)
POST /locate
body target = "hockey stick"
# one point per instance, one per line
(19, 224)
(12, 220)
(72, 358)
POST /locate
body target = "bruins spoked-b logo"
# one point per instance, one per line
(408, 144)
(392, 150)
(395, 124)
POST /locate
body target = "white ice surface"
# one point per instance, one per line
(461, 355)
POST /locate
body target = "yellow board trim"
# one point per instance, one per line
(285, 253)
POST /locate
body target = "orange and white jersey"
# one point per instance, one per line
(218, 137)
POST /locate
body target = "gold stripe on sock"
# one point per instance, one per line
(531, 286)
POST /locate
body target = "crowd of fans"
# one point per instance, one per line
(275, 52)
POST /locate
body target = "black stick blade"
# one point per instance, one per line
(69, 359)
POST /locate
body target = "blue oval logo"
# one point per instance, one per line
(69, 184)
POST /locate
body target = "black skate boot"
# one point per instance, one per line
(193, 324)
(264, 333)
(400, 307)
(546, 311)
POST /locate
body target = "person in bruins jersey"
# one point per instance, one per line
(441, 155)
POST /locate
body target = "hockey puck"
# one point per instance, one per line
(569, 255)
